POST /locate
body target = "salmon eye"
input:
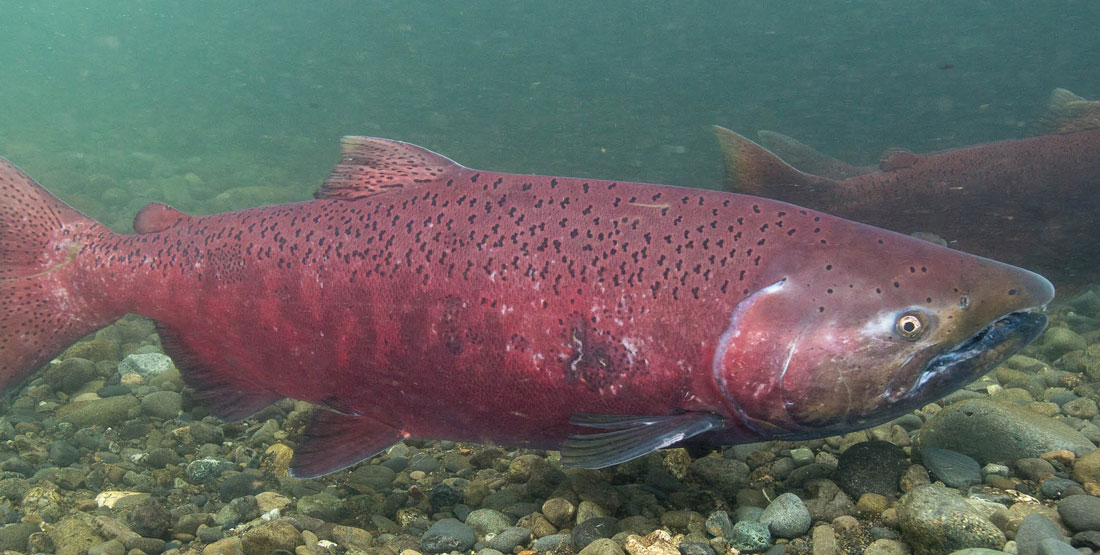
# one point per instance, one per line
(910, 326)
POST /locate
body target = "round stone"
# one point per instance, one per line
(750, 537)
(786, 516)
(1080, 512)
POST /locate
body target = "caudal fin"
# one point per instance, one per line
(40, 237)
(751, 169)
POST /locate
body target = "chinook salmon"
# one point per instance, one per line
(416, 297)
(1029, 202)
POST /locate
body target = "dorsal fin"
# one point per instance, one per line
(156, 216)
(896, 159)
(1067, 113)
(369, 166)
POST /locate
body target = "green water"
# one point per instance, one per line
(213, 105)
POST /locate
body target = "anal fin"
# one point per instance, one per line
(333, 441)
(633, 436)
(216, 387)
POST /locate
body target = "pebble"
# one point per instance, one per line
(593, 529)
(488, 521)
(886, 547)
(750, 537)
(112, 547)
(937, 519)
(954, 469)
(201, 471)
(1051, 546)
(552, 542)
(871, 467)
(695, 548)
(162, 404)
(1080, 512)
(786, 516)
(719, 524)
(509, 538)
(102, 413)
(1055, 487)
(447, 535)
(990, 431)
(145, 365)
(558, 511)
(1087, 468)
(723, 475)
(322, 506)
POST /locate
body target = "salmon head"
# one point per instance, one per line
(868, 327)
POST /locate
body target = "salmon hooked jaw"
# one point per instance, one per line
(982, 351)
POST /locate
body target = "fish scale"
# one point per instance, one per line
(419, 298)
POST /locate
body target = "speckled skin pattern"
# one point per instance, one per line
(447, 302)
(1029, 202)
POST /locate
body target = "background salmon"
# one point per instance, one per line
(417, 297)
(1029, 202)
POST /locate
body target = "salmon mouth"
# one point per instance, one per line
(975, 356)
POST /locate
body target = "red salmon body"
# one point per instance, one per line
(419, 298)
(1029, 202)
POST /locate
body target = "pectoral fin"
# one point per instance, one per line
(633, 436)
(333, 441)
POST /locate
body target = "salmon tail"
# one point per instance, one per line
(752, 169)
(40, 237)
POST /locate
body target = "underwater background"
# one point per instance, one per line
(217, 105)
(212, 106)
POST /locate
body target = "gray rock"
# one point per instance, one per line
(1051, 546)
(935, 519)
(871, 467)
(271, 537)
(609, 547)
(324, 506)
(201, 471)
(13, 537)
(720, 525)
(696, 548)
(951, 467)
(162, 404)
(750, 537)
(886, 547)
(62, 453)
(509, 538)
(447, 535)
(1055, 487)
(593, 529)
(723, 475)
(1034, 468)
(994, 432)
(1033, 530)
(978, 551)
(374, 476)
(552, 542)
(487, 521)
(559, 511)
(145, 515)
(112, 547)
(1059, 341)
(68, 375)
(146, 364)
(1080, 512)
(786, 516)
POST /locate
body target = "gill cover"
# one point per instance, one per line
(790, 370)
